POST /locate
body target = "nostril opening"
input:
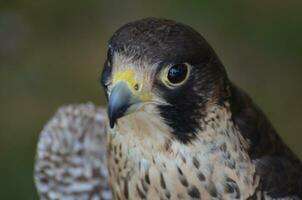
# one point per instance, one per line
(136, 87)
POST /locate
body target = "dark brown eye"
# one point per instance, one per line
(177, 73)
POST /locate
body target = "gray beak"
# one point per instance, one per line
(120, 100)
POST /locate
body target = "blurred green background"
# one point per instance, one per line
(51, 53)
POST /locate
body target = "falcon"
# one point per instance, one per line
(178, 128)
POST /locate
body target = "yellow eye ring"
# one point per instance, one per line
(176, 74)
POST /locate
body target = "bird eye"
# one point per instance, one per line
(176, 74)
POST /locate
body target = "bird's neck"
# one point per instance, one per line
(218, 151)
(147, 129)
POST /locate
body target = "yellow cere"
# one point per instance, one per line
(134, 85)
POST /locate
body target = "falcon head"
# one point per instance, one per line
(167, 65)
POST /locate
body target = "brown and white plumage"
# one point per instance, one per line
(71, 162)
(201, 169)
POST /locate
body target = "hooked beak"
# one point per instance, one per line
(122, 101)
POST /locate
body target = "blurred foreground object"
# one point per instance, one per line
(71, 155)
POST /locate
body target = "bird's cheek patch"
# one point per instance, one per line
(134, 85)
